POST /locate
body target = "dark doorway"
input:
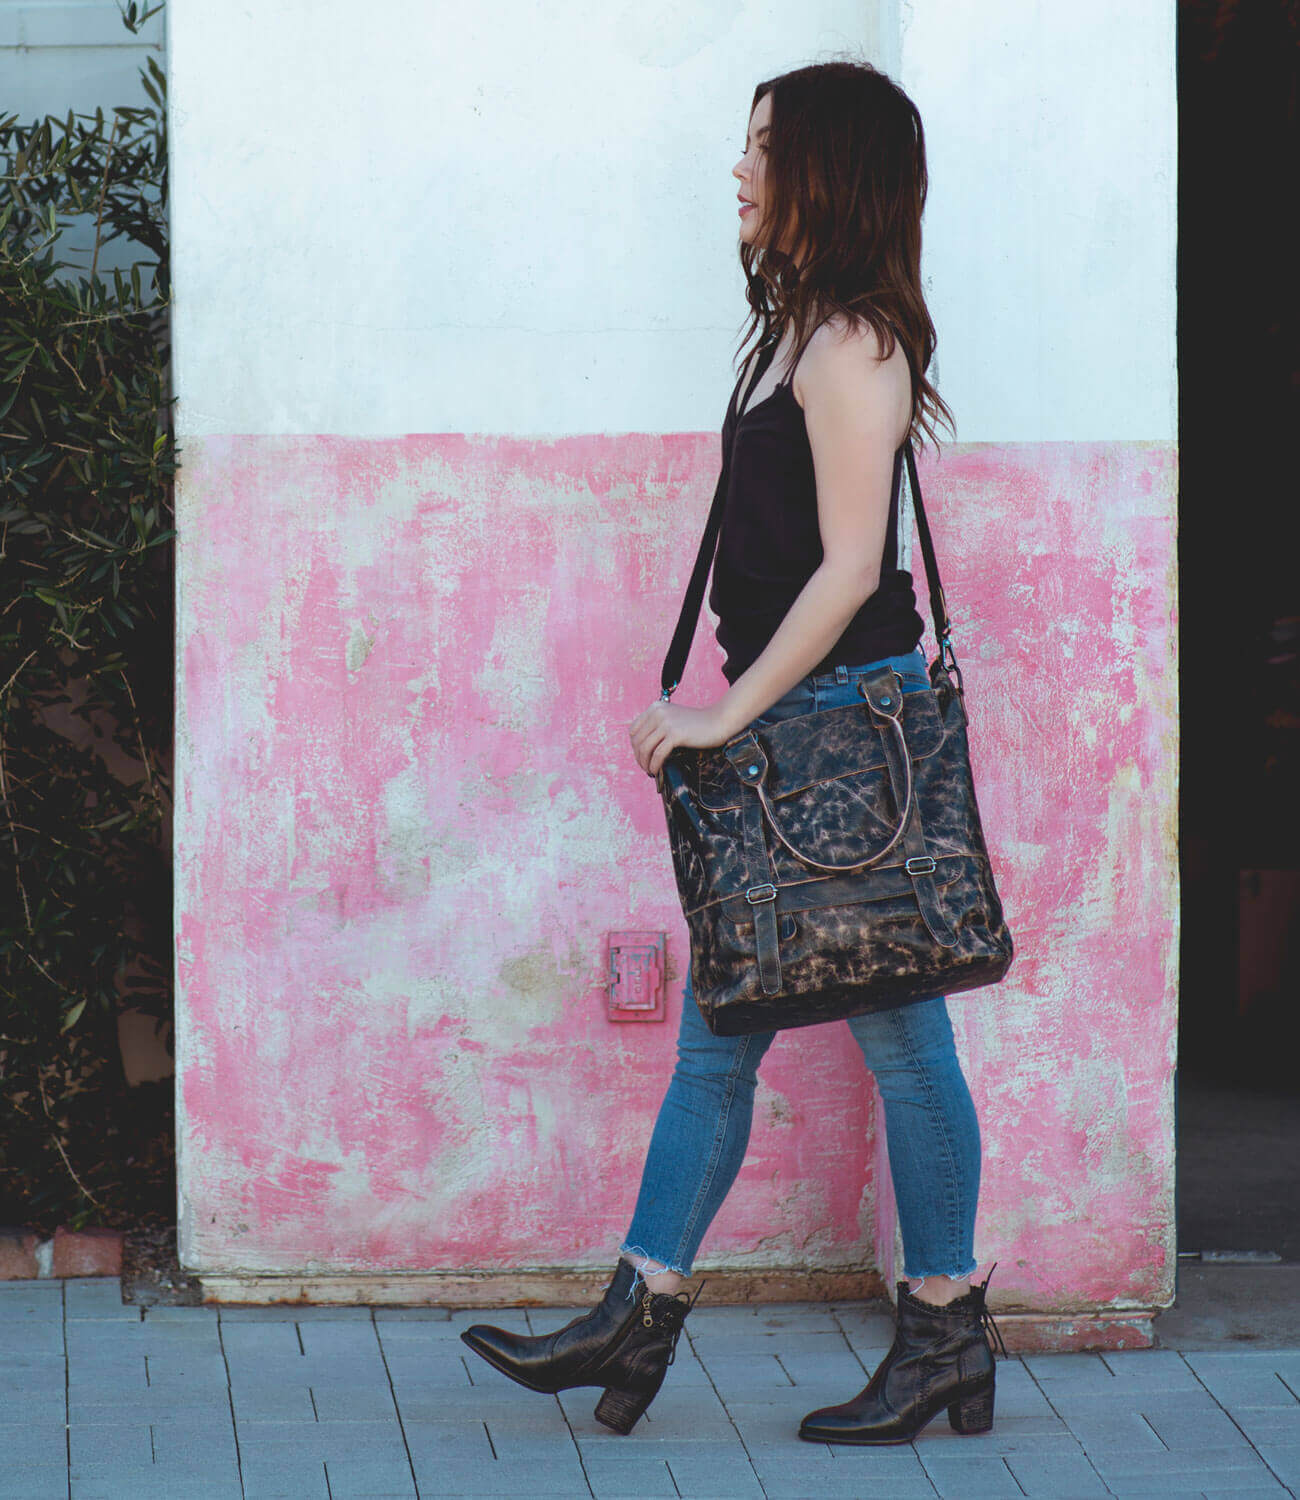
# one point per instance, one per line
(1238, 1095)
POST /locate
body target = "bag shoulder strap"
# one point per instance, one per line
(689, 618)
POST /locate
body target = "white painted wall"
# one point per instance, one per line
(463, 219)
(467, 218)
(1050, 231)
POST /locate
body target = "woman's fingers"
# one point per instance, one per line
(653, 749)
(648, 734)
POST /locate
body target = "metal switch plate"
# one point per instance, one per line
(636, 976)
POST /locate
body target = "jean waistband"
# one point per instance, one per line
(908, 662)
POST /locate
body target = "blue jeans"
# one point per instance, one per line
(931, 1129)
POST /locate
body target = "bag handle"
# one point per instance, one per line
(900, 770)
(680, 646)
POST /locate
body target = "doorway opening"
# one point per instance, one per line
(1238, 1097)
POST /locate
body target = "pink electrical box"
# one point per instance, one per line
(636, 976)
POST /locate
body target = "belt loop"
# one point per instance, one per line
(841, 676)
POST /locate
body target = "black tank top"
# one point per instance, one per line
(770, 545)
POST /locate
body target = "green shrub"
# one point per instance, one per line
(86, 628)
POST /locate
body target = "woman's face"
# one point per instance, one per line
(749, 170)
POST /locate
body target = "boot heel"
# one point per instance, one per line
(972, 1414)
(621, 1410)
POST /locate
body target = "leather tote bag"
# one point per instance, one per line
(833, 864)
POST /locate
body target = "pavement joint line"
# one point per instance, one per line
(1158, 1438)
(1087, 1458)
(392, 1392)
(740, 1437)
(577, 1448)
(1010, 1470)
(1196, 1376)
(230, 1402)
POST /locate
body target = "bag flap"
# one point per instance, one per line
(813, 748)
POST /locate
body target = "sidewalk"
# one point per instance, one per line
(107, 1402)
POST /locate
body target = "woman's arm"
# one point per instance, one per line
(857, 408)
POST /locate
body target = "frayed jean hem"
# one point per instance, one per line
(633, 1252)
(953, 1275)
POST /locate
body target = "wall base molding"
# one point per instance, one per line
(1023, 1332)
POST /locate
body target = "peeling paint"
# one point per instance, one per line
(408, 814)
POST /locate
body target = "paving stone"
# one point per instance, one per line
(830, 1344)
(330, 1341)
(1196, 1430)
(464, 1440)
(830, 1365)
(279, 1398)
(253, 1342)
(96, 1296)
(1045, 1435)
(176, 1409)
(326, 1440)
(272, 1403)
(351, 1478)
(34, 1482)
(609, 1447)
(175, 1443)
(502, 1476)
(425, 1368)
(783, 1479)
(293, 1312)
(36, 1335)
(283, 1477)
(1154, 1369)
(959, 1472)
(710, 1477)
(130, 1444)
(412, 1314)
(1064, 1476)
(196, 1366)
(155, 1482)
(514, 1319)
(1117, 1464)
(1284, 1460)
(160, 1312)
(367, 1402)
(1244, 1379)
(634, 1479)
(735, 1376)
(410, 1337)
(505, 1399)
(1212, 1492)
(35, 1443)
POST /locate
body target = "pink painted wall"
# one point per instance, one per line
(408, 814)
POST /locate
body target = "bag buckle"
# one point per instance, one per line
(757, 894)
(920, 864)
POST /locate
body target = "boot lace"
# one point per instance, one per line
(986, 1317)
(668, 1314)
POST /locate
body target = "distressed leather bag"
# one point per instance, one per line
(833, 864)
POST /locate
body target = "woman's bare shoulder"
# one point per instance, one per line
(848, 349)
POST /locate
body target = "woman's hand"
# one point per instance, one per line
(657, 732)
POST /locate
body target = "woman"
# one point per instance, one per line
(809, 597)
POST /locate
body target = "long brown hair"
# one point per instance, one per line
(845, 185)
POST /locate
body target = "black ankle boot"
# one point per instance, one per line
(940, 1357)
(625, 1344)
